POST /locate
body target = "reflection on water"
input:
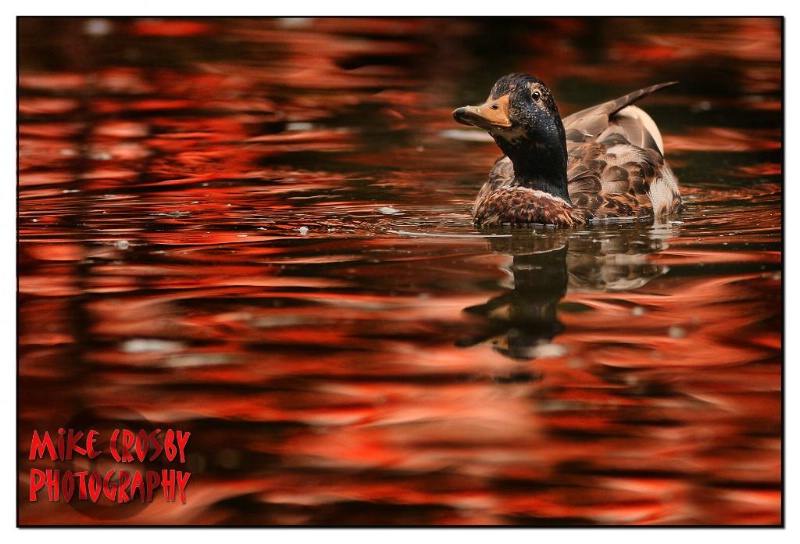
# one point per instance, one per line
(526, 317)
(258, 230)
(522, 321)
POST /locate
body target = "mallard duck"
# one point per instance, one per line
(604, 162)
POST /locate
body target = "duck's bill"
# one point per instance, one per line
(492, 114)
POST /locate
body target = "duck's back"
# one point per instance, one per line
(616, 165)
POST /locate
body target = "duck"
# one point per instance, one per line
(602, 164)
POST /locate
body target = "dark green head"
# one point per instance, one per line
(522, 117)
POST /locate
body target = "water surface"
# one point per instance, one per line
(258, 230)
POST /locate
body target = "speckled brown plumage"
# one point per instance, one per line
(605, 162)
(518, 206)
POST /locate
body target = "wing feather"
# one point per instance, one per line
(614, 149)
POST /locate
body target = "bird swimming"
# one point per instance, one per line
(602, 163)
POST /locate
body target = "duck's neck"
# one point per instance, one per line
(539, 165)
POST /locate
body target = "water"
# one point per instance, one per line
(258, 230)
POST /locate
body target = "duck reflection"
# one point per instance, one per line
(522, 322)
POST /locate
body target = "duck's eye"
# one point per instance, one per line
(536, 95)
(494, 107)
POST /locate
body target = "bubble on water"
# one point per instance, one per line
(638, 311)
(122, 244)
(676, 332)
(150, 345)
(544, 351)
(303, 230)
(388, 210)
(300, 125)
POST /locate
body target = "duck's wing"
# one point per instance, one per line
(615, 116)
(616, 164)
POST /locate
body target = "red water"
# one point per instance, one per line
(258, 230)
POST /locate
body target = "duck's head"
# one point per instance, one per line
(520, 112)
